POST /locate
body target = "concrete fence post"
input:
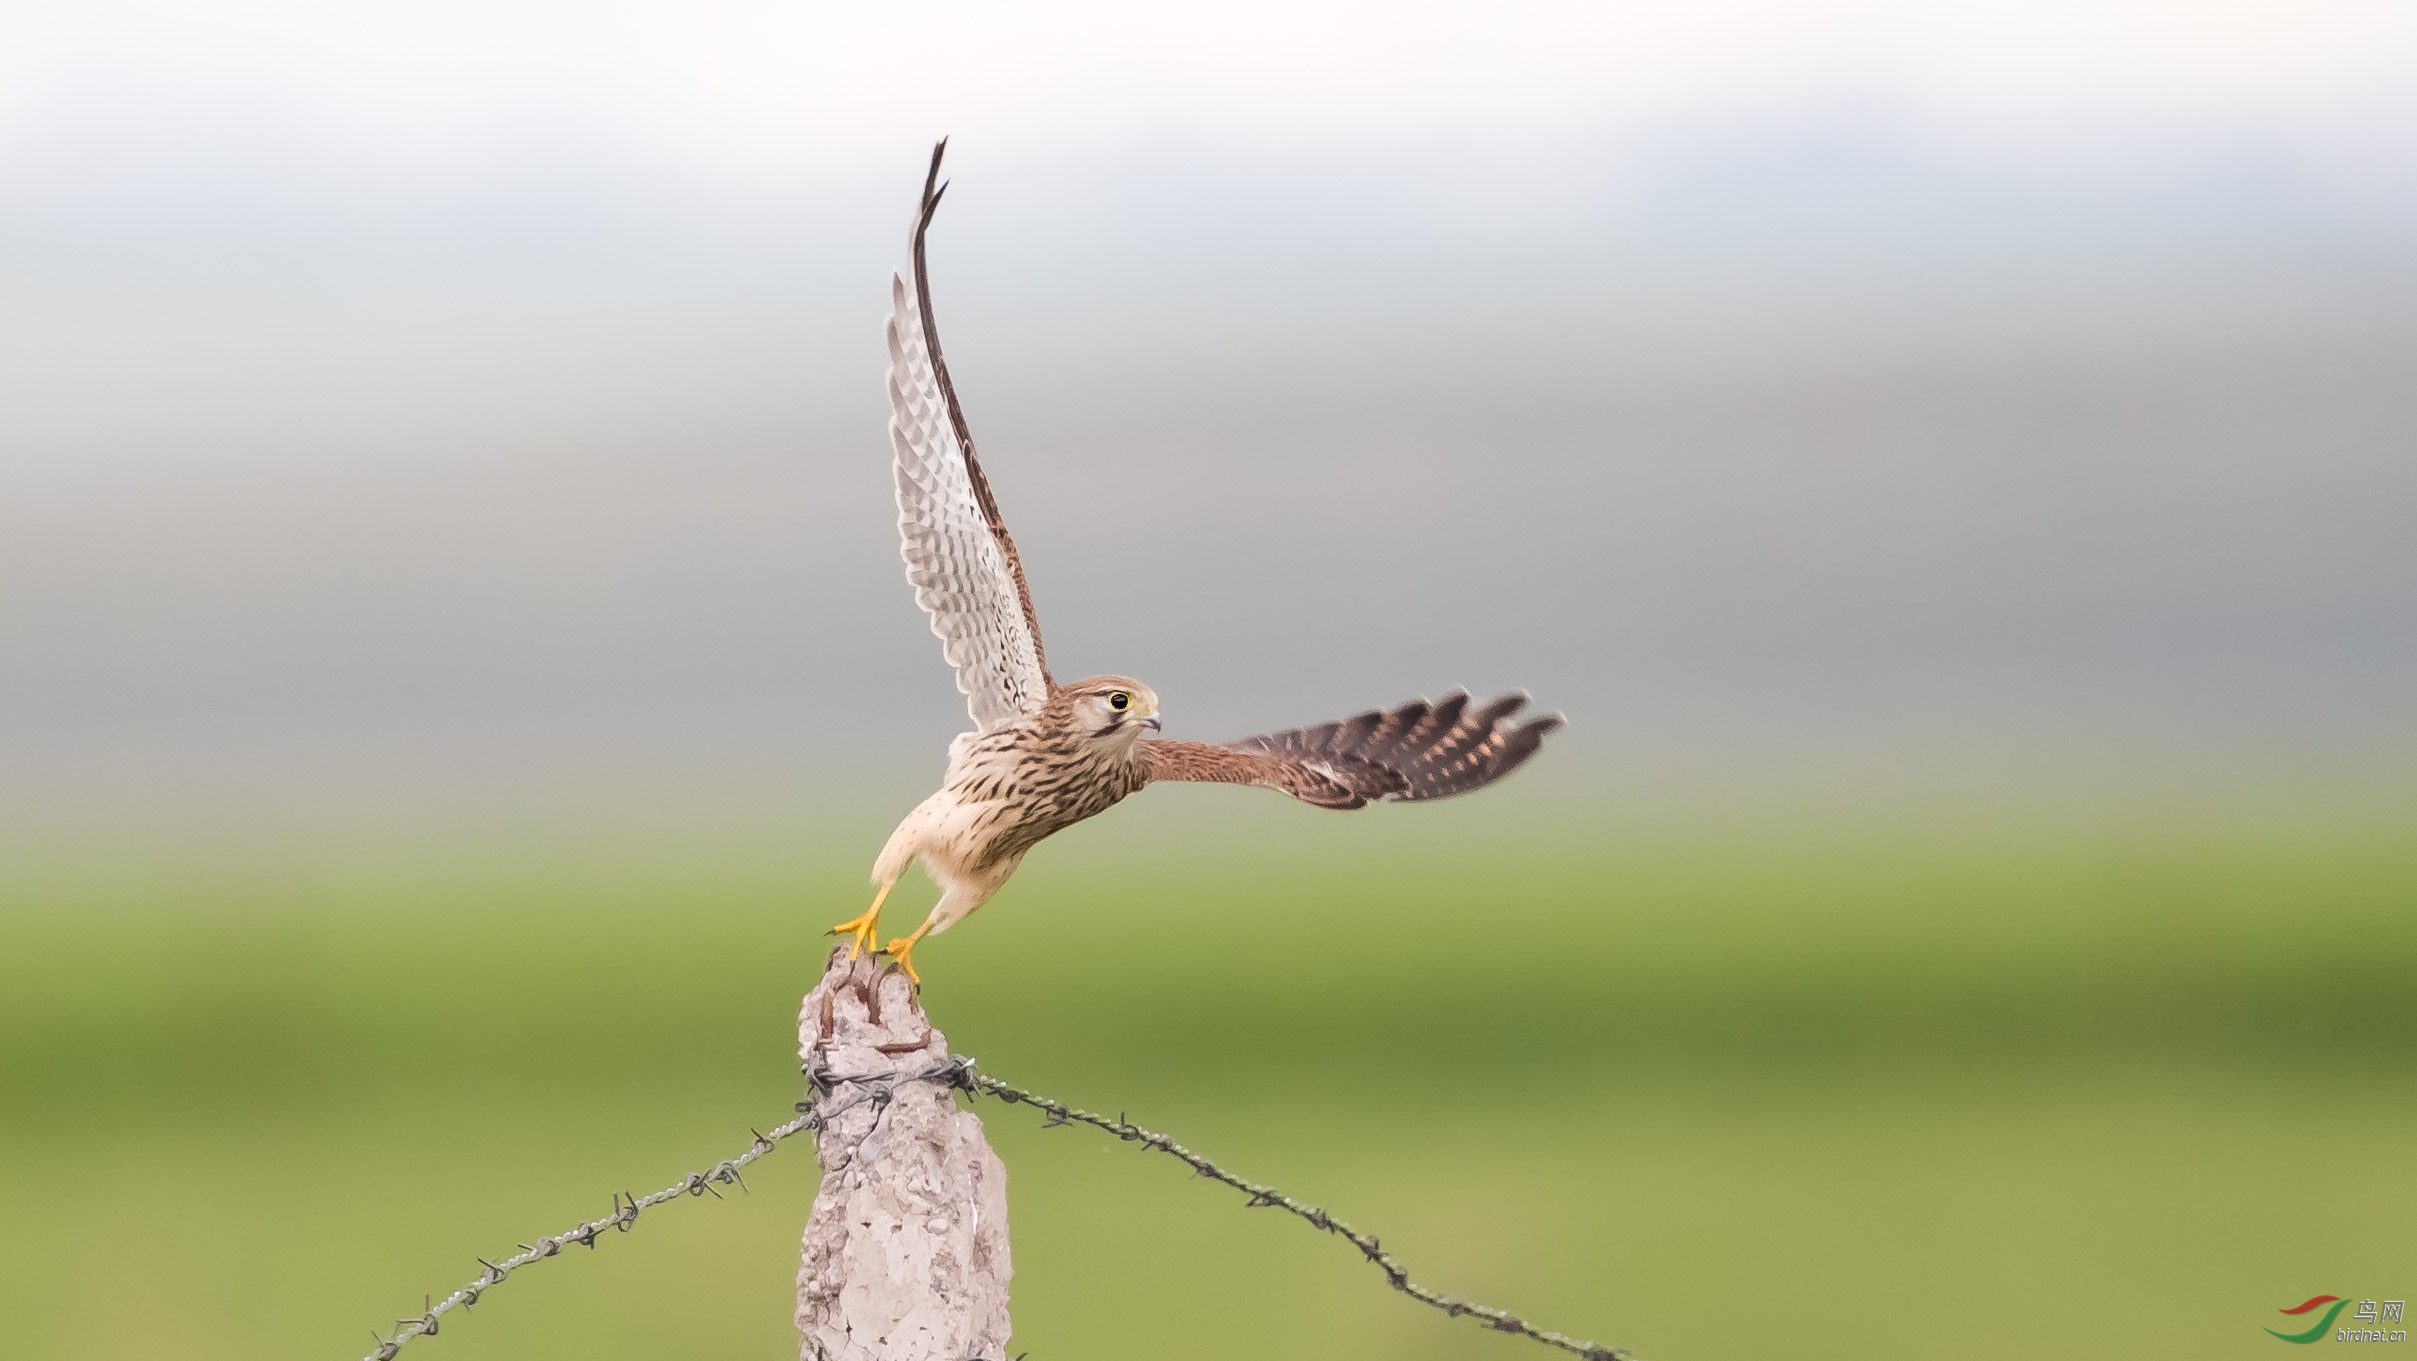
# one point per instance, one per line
(905, 1253)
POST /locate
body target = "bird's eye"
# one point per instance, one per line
(1119, 700)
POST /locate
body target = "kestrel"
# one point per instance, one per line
(1044, 756)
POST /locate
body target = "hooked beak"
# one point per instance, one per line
(1152, 723)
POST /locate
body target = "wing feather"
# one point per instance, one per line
(1417, 752)
(959, 556)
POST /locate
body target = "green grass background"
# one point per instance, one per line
(1902, 1082)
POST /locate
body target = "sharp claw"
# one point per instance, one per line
(861, 933)
(865, 928)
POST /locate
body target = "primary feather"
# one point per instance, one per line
(1419, 751)
(958, 554)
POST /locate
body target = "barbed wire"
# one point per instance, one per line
(1500, 1320)
(878, 1090)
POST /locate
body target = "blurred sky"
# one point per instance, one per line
(468, 394)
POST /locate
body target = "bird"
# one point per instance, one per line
(1042, 755)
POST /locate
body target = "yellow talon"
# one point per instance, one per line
(866, 929)
(904, 946)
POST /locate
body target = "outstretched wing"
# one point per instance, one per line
(959, 557)
(1418, 751)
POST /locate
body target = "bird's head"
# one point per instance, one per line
(1113, 709)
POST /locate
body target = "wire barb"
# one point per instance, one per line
(878, 1090)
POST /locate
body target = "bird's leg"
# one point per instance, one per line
(904, 945)
(866, 929)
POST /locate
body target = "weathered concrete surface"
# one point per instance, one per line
(906, 1250)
